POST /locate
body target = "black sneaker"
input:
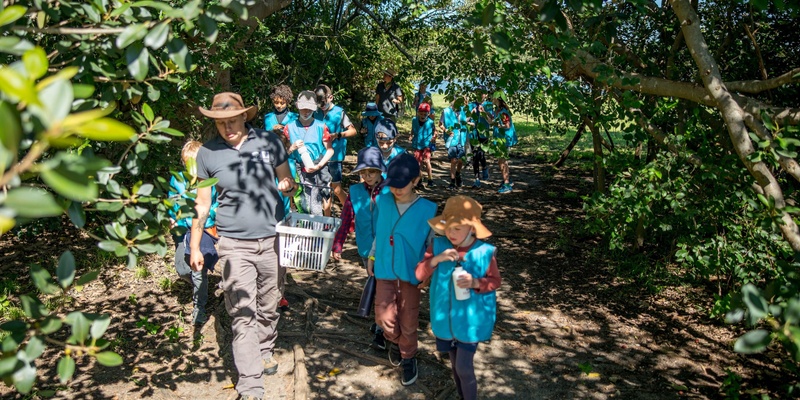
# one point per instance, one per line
(409, 371)
(458, 180)
(394, 354)
(373, 329)
(452, 185)
(430, 183)
(378, 341)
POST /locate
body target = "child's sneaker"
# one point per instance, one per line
(506, 188)
(477, 184)
(394, 354)
(410, 372)
(458, 180)
(430, 183)
(485, 174)
(452, 184)
(378, 341)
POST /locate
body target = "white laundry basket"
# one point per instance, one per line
(306, 240)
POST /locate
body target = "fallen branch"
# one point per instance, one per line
(301, 388)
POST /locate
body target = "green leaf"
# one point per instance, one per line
(11, 14)
(753, 342)
(50, 325)
(171, 132)
(153, 93)
(35, 348)
(179, 54)
(131, 34)
(14, 45)
(76, 214)
(10, 134)
(80, 326)
(87, 277)
(148, 112)
(209, 28)
(145, 189)
(207, 183)
(35, 61)
(14, 326)
(109, 245)
(17, 86)
(9, 365)
(99, 326)
(29, 202)
(82, 90)
(43, 281)
(32, 307)
(157, 36)
(70, 184)
(106, 129)
(66, 368)
(137, 58)
(66, 269)
(109, 358)
(756, 304)
(25, 377)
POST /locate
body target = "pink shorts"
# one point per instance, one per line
(422, 155)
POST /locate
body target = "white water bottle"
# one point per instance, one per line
(461, 293)
(308, 162)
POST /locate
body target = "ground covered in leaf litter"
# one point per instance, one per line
(567, 327)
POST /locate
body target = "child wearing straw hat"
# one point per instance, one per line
(399, 245)
(459, 325)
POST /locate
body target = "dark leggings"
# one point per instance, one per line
(478, 160)
(464, 372)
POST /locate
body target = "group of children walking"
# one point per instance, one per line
(395, 228)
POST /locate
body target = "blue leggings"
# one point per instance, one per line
(461, 357)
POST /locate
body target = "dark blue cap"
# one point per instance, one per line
(369, 158)
(371, 111)
(402, 170)
(387, 127)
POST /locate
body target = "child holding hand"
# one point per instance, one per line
(459, 325)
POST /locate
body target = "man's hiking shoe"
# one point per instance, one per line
(410, 372)
(283, 305)
(394, 354)
(506, 188)
(270, 366)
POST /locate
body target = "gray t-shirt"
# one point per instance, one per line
(249, 202)
(385, 97)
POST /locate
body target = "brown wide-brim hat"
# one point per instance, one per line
(460, 210)
(228, 105)
(390, 71)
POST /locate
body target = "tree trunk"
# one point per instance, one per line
(733, 115)
(570, 146)
(599, 170)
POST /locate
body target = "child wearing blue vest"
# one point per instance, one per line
(386, 136)
(370, 118)
(400, 243)
(314, 136)
(459, 325)
(423, 130)
(198, 279)
(454, 125)
(506, 133)
(360, 209)
(340, 128)
(275, 121)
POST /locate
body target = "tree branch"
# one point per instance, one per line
(756, 86)
(397, 43)
(733, 115)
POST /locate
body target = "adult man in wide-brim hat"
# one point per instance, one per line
(252, 168)
(388, 95)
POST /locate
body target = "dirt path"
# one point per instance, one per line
(566, 327)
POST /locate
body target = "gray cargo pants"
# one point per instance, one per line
(250, 282)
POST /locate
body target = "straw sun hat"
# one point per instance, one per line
(460, 210)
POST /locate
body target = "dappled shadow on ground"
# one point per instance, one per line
(567, 328)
